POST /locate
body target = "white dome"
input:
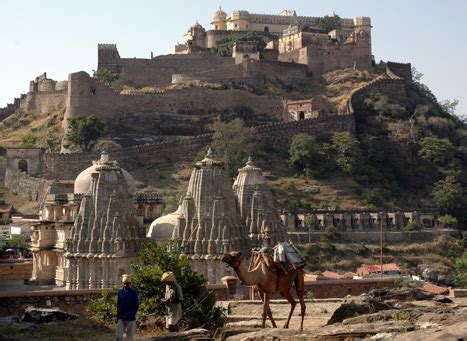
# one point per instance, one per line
(162, 228)
(83, 180)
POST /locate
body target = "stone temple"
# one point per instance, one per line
(213, 218)
(88, 239)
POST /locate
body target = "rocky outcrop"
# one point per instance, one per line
(44, 315)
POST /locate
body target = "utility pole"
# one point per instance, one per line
(381, 244)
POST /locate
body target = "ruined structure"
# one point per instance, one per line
(88, 240)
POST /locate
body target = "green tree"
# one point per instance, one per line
(303, 152)
(381, 104)
(328, 23)
(348, 152)
(438, 151)
(233, 143)
(448, 193)
(85, 131)
(198, 305)
(448, 221)
(105, 75)
(224, 46)
(16, 242)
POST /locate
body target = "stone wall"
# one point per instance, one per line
(374, 236)
(330, 56)
(287, 73)
(45, 102)
(71, 301)
(88, 95)
(10, 108)
(30, 157)
(394, 89)
(401, 70)
(15, 270)
(68, 166)
(159, 70)
(26, 185)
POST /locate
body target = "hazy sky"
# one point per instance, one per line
(60, 37)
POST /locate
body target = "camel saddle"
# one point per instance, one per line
(283, 257)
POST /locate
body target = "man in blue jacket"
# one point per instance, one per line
(127, 306)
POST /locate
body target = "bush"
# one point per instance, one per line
(199, 307)
(28, 141)
(448, 193)
(438, 151)
(224, 46)
(103, 308)
(105, 75)
(331, 234)
(348, 152)
(411, 227)
(448, 221)
(381, 105)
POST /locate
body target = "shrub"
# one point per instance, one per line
(348, 152)
(198, 305)
(224, 46)
(105, 75)
(28, 141)
(411, 227)
(104, 308)
(331, 234)
(448, 221)
(438, 151)
(382, 106)
(448, 193)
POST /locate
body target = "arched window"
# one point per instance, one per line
(301, 115)
(23, 165)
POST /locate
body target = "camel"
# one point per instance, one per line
(267, 283)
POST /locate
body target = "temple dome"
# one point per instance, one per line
(162, 228)
(219, 15)
(250, 175)
(83, 180)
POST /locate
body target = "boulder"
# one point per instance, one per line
(403, 294)
(356, 307)
(45, 315)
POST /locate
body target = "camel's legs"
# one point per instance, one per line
(292, 302)
(300, 289)
(269, 312)
(267, 297)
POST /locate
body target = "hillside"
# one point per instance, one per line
(389, 170)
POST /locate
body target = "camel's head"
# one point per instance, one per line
(233, 259)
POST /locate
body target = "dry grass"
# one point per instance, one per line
(43, 127)
(171, 87)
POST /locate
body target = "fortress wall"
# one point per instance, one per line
(68, 166)
(159, 70)
(287, 73)
(25, 185)
(402, 70)
(87, 95)
(327, 57)
(45, 102)
(394, 89)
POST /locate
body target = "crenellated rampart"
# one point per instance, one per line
(392, 85)
(90, 96)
